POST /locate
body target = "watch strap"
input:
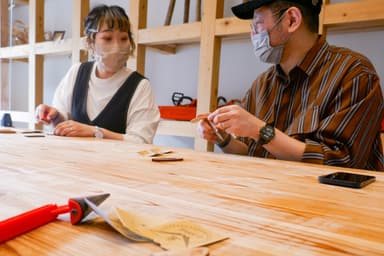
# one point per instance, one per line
(225, 142)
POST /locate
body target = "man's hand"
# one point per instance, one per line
(235, 120)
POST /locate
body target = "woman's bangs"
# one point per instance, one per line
(114, 20)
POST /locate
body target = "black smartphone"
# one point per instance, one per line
(346, 179)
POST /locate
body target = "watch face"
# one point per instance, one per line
(267, 133)
(98, 133)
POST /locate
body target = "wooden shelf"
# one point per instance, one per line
(36, 49)
(349, 15)
(176, 34)
(18, 51)
(176, 128)
(232, 27)
(339, 16)
(61, 47)
(365, 14)
(54, 48)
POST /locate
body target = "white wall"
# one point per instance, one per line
(179, 72)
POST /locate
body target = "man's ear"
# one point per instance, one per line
(295, 19)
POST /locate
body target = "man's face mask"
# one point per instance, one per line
(262, 46)
(111, 58)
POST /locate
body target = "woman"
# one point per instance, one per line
(104, 98)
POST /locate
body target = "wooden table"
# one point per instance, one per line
(266, 207)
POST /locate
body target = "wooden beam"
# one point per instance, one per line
(4, 23)
(4, 64)
(80, 11)
(36, 62)
(346, 15)
(322, 28)
(39, 21)
(171, 8)
(210, 46)
(186, 11)
(165, 49)
(338, 16)
(176, 34)
(18, 51)
(4, 92)
(198, 10)
(232, 27)
(138, 17)
(35, 83)
(66, 46)
(352, 15)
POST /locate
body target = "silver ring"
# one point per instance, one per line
(222, 125)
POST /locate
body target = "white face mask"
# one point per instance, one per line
(262, 46)
(111, 58)
(263, 49)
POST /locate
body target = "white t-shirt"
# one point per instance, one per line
(143, 113)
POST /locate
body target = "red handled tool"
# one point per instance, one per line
(44, 118)
(20, 224)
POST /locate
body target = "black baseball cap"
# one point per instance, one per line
(245, 11)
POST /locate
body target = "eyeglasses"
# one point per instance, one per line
(258, 26)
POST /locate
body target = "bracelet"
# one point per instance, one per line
(225, 142)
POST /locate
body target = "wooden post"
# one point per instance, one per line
(171, 7)
(210, 46)
(81, 9)
(186, 11)
(4, 64)
(138, 18)
(198, 10)
(322, 28)
(4, 22)
(36, 62)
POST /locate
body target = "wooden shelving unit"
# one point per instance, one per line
(367, 14)
(209, 32)
(35, 51)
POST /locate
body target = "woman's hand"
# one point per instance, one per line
(74, 129)
(46, 114)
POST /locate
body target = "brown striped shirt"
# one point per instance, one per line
(332, 102)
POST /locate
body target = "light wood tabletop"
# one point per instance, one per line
(265, 207)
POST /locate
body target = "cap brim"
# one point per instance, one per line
(245, 11)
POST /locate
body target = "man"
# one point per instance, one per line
(318, 103)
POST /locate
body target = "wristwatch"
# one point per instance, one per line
(267, 133)
(98, 132)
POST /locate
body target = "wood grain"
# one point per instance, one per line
(266, 207)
